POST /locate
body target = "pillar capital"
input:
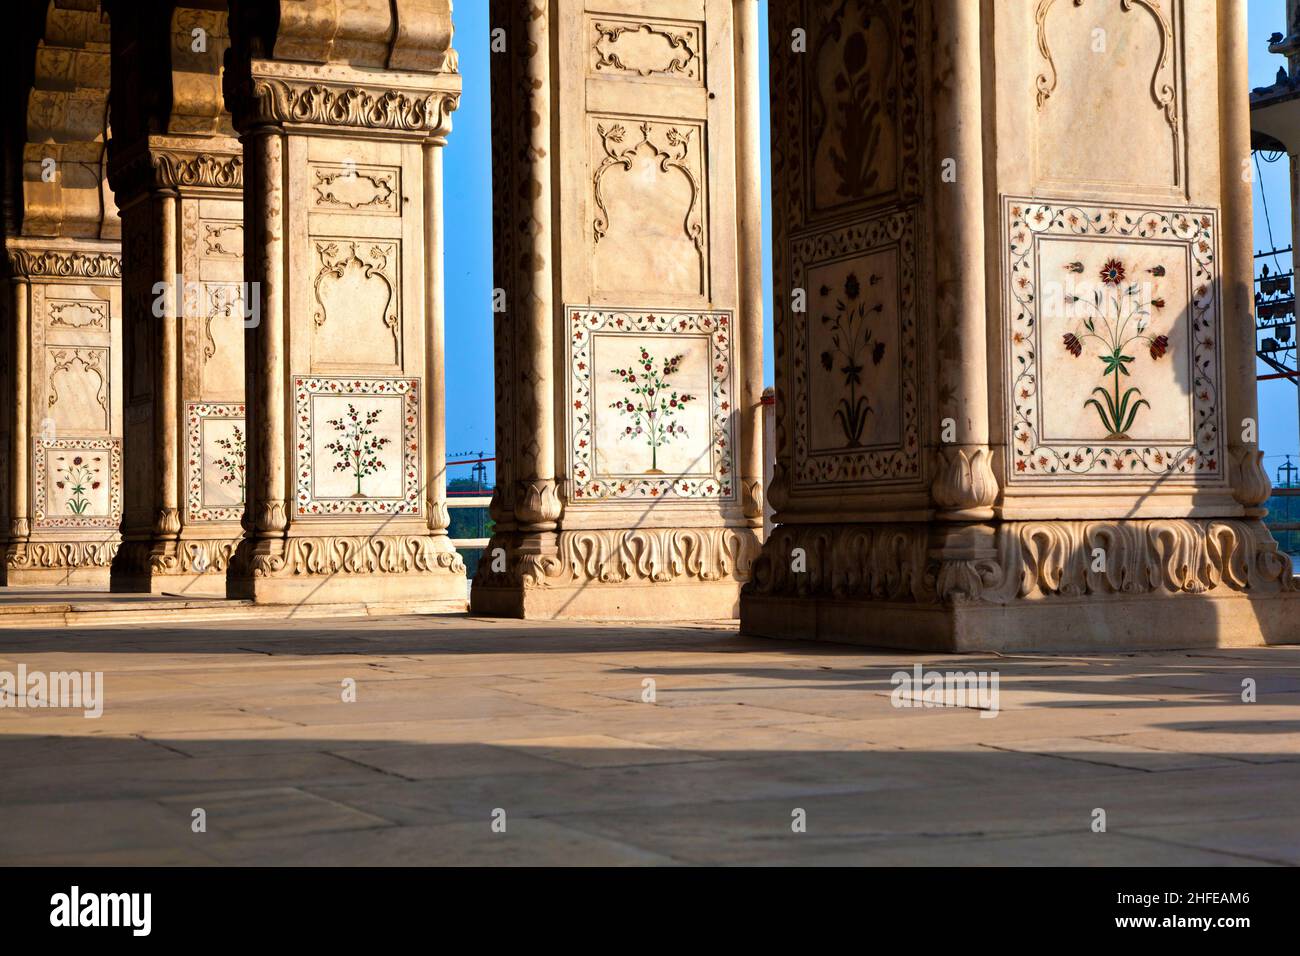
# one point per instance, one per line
(368, 69)
(343, 100)
(177, 169)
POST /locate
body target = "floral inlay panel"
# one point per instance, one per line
(357, 446)
(853, 367)
(78, 483)
(1112, 342)
(650, 411)
(216, 465)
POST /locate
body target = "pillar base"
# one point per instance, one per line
(1122, 624)
(91, 579)
(383, 569)
(597, 601)
(53, 562)
(1142, 584)
(194, 566)
(650, 574)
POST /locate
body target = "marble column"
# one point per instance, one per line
(341, 112)
(1013, 340)
(628, 332)
(61, 272)
(177, 171)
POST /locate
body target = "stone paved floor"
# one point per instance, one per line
(457, 717)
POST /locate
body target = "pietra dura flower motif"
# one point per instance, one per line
(650, 413)
(232, 463)
(77, 483)
(1112, 312)
(1114, 322)
(357, 447)
(78, 475)
(853, 342)
(652, 405)
(216, 463)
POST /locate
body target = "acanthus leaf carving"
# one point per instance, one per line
(324, 104)
(1033, 560)
(637, 556)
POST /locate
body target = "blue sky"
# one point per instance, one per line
(468, 208)
(1277, 399)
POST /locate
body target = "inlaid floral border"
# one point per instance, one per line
(1028, 220)
(112, 447)
(195, 413)
(901, 464)
(305, 503)
(584, 325)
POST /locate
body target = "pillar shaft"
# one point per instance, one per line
(1010, 415)
(61, 272)
(629, 355)
(20, 381)
(964, 484)
(1250, 480)
(435, 306)
(344, 378)
(749, 246)
(178, 174)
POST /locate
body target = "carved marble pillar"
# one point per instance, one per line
(61, 271)
(629, 471)
(341, 112)
(1012, 345)
(177, 171)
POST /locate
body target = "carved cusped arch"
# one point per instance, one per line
(64, 192)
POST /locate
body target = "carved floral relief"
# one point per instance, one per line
(356, 318)
(648, 196)
(659, 49)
